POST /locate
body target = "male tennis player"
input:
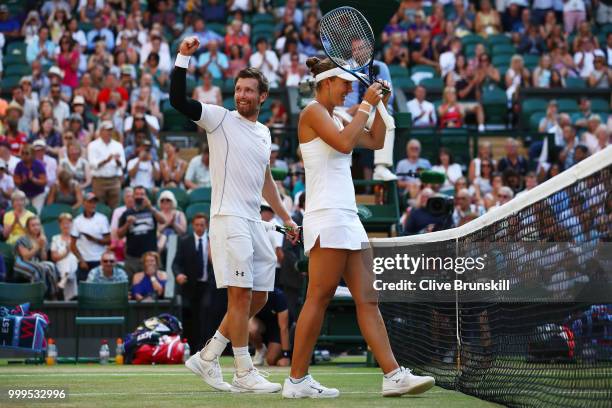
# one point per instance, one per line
(333, 234)
(243, 258)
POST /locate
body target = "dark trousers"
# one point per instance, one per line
(82, 273)
(203, 314)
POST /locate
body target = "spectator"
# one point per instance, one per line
(447, 165)
(290, 48)
(49, 136)
(172, 167)
(85, 93)
(585, 33)
(584, 58)
(66, 191)
(107, 270)
(107, 160)
(551, 123)
(423, 50)
(556, 80)
(269, 332)
(16, 140)
(487, 20)
(39, 153)
(100, 33)
(492, 198)
(90, 236)
(581, 153)
(396, 53)
(543, 72)
(118, 244)
(28, 103)
(449, 58)
(462, 18)
(468, 94)
(88, 10)
(15, 219)
(111, 86)
(7, 186)
(7, 158)
(422, 111)
(412, 163)
(607, 49)
(76, 164)
(76, 33)
(236, 35)
(603, 140)
(513, 159)
(207, 92)
(204, 34)
(279, 116)
(238, 61)
(31, 178)
(41, 48)
(601, 76)
(505, 195)
(68, 61)
(486, 74)
(531, 42)
(266, 61)
(102, 58)
(149, 284)
(484, 153)
(589, 138)
(174, 221)
(139, 226)
(419, 220)
(566, 156)
(157, 68)
(65, 261)
(531, 181)
(511, 178)
(574, 13)
(142, 170)
(295, 73)
(31, 263)
(450, 112)
(198, 171)
(139, 111)
(30, 26)
(549, 25)
(213, 61)
(464, 207)
(517, 77)
(482, 184)
(61, 110)
(584, 112)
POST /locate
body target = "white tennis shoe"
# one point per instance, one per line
(254, 381)
(208, 370)
(308, 388)
(260, 356)
(404, 382)
(382, 172)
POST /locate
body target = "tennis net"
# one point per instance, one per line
(525, 354)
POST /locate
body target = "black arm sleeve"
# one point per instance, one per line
(178, 95)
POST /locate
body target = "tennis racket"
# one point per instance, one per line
(348, 41)
(270, 226)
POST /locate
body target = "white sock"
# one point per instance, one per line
(296, 380)
(392, 373)
(215, 347)
(242, 359)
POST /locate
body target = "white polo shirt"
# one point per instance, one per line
(144, 175)
(239, 154)
(96, 226)
(98, 151)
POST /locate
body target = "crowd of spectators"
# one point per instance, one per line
(82, 127)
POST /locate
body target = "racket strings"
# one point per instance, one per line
(347, 37)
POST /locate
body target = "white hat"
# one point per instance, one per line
(39, 143)
(167, 195)
(599, 53)
(336, 72)
(56, 71)
(107, 125)
(78, 100)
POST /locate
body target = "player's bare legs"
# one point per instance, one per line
(242, 304)
(326, 266)
(359, 281)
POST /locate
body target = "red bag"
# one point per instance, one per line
(169, 351)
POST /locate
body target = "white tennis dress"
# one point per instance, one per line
(331, 210)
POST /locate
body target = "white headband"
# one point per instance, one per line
(336, 72)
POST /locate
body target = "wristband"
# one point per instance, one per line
(364, 111)
(367, 103)
(286, 354)
(182, 61)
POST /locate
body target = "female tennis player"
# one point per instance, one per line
(333, 234)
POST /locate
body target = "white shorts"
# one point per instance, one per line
(242, 254)
(335, 228)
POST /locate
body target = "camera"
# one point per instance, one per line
(440, 205)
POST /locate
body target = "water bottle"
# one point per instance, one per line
(186, 350)
(104, 352)
(51, 352)
(119, 351)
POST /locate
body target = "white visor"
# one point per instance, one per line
(336, 72)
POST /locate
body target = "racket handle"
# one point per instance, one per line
(384, 115)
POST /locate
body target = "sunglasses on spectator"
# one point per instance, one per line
(108, 261)
(504, 196)
(165, 200)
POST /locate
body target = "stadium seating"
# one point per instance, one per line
(14, 294)
(52, 211)
(200, 195)
(195, 208)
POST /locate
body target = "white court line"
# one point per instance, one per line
(101, 394)
(168, 373)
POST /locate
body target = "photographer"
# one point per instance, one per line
(143, 171)
(139, 226)
(431, 213)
